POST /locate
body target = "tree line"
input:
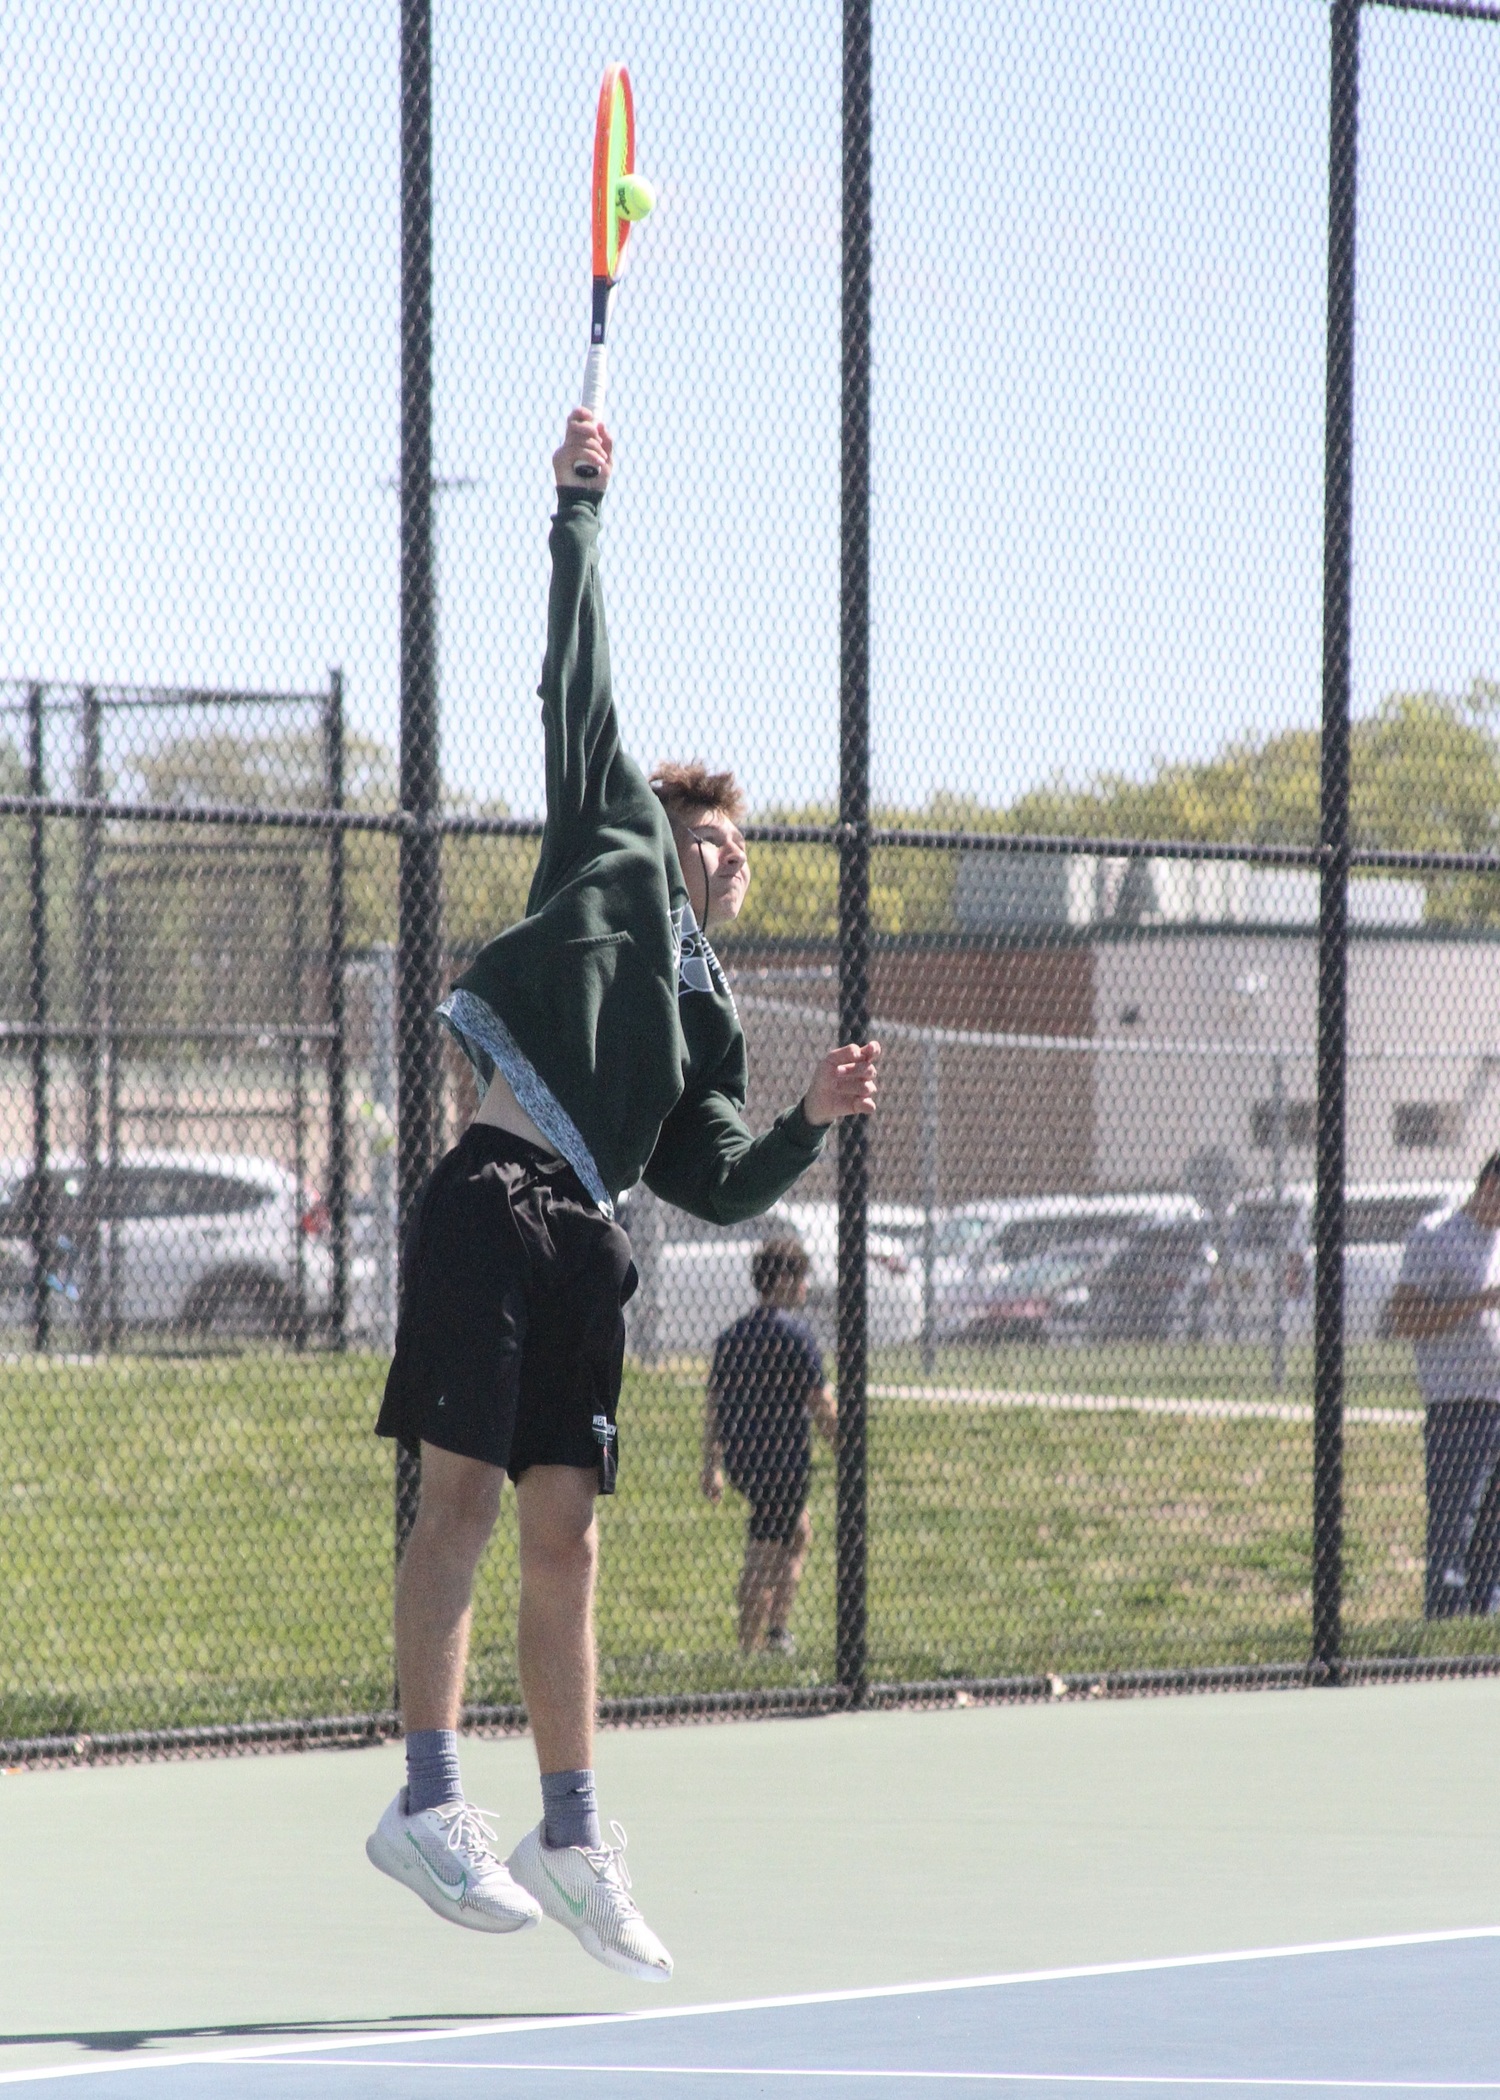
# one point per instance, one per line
(219, 925)
(1425, 777)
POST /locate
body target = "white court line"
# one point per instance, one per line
(269, 2051)
(1125, 1403)
(1130, 2078)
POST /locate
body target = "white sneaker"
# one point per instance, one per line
(448, 1856)
(589, 1892)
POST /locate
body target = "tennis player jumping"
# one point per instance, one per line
(608, 1044)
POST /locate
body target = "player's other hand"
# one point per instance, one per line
(713, 1483)
(586, 443)
(844, 1084)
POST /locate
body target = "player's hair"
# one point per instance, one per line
(685, 789)
(776, 1262)
(1490, 1171)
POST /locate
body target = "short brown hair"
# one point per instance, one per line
(778, 1261)
(683, 789)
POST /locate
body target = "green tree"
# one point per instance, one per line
(485, 884)
(485, 880)
(1424, 777)
(287, 771)
(794, 890)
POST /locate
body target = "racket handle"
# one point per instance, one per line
(595, 379)
(596, 367)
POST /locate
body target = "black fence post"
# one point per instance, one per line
(338, 1045)
(91, 959)
(419, 938)
(1333, 906)
(854, 842)
(41, 1205)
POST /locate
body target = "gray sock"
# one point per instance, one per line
(570, 1815)
(432, 1779)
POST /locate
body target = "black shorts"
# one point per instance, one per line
(776, 1493)
(512, 1337)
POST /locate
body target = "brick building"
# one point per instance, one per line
(1102, 1056)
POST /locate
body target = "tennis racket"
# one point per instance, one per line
(619, 198)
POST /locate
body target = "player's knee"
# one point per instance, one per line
(460, 1496)
(560, 1554)
(559, 1538)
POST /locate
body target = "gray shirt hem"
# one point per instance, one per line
(486, 1042)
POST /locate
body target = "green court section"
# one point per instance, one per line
(158, 1906)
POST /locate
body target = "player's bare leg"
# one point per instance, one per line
(444, 1853)
(456, 1514)
(559, 1555)
(583, 1886)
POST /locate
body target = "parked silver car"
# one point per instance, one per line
(980, 1246)
(1160, 1286)
(1045, 1299)
(201, 1243)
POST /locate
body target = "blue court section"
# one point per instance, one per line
(1416, 2015)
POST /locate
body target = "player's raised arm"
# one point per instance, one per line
(576, 694)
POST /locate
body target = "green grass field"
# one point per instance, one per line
(206, 1540)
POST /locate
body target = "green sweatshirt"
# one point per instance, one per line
(605, 1007)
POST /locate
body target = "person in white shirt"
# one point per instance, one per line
(1447, 1302)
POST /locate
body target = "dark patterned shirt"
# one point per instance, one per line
(766, 1368)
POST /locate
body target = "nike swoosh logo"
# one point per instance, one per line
(575, 1904)
(453, 1890)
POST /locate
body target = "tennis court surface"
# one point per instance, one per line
(1275, 1890)
(1418, 2015)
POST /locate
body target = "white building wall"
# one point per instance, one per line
(1188, 1025)
(1172, 1006)
(1424, 1027)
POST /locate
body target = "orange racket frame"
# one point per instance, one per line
(614, 156)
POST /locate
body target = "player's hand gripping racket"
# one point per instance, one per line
(620, 198)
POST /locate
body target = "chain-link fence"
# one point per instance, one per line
(1054, 467)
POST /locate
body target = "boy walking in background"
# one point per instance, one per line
(765, 1389)
(604, 1033)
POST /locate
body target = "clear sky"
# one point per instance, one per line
(1099, 350)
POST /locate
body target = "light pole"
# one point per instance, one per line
(1279, 1232)
(1252, 989)
(931, 1178)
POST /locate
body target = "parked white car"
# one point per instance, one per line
(200, 1243)
(695, 1277)
(1379, 1218)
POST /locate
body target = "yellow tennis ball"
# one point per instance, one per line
(634, 197)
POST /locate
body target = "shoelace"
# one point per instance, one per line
(608, 1862)
(468, 1834)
